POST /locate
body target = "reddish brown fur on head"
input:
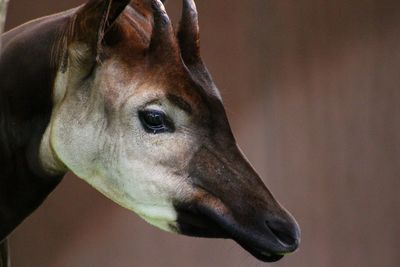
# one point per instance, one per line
(138, 116)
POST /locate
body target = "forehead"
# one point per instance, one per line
(118, 82)
(128, 69)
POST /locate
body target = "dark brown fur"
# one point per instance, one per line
(26, 81)
(230, 200)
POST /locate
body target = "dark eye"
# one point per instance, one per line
(155, 121)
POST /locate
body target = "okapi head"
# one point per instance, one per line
(137, 116)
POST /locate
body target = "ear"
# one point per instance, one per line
(92, 22)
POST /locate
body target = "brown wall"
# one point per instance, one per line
(312, 91)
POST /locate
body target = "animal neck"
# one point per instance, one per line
(4, 256)
(26, 82)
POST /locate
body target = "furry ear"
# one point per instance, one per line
(96, 17)
(82, 41)
(93, 20)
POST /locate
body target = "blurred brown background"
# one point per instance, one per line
(312, 91)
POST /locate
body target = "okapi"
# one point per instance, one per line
(110, 92)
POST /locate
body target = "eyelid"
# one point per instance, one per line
(154, 107)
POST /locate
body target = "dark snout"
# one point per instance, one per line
(286, 232)
(267, 238)
(277, 237)
(231, 201)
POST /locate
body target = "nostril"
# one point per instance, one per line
(286, 233)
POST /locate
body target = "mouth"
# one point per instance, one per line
(262, 255)
(200, 222)
(192, 223)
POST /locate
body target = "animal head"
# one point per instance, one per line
(137, 116)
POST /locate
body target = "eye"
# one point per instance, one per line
(155, 121)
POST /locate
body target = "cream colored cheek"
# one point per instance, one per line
(144, 190)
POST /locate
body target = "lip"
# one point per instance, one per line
(262, 255)
(267, 257)
(200, 222)
(193, 223)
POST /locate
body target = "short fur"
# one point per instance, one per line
(72, 89)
